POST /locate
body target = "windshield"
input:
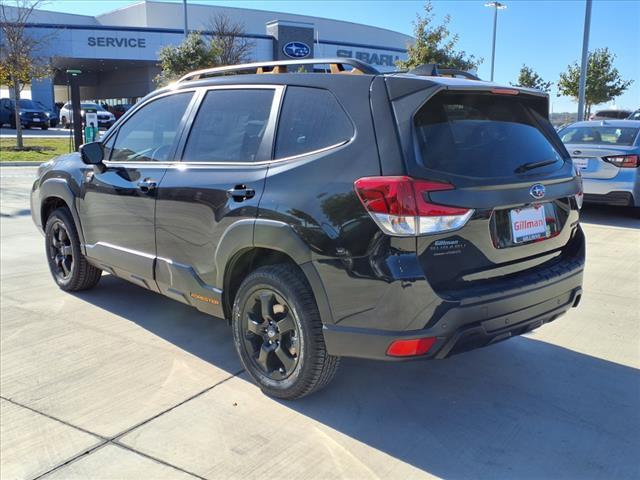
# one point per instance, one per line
(28, 104)
(482, 135)
(91, 106)
(599, 135)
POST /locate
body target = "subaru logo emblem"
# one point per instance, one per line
(537, 191)
(296, 50)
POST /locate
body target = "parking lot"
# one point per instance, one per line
(119, 382)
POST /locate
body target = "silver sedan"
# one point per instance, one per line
(607, 154)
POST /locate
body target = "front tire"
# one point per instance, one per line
(67, 264)
(277, 333)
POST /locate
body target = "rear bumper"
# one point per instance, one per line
(476, 321)
(622, 190)
(618, 199)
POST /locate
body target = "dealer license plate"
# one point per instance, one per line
(581, 162)
(528, 223)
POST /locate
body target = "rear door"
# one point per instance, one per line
(500, 158)
(219, 181)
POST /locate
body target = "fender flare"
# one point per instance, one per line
(273, 235)
(59, 188)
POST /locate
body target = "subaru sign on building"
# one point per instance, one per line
(296, 50)
(117, 51)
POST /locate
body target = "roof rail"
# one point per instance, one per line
(433, 70)
(336, 65)
(452, 72)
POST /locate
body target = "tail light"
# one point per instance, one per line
(398, 206)
(580, 194)
(623, 161)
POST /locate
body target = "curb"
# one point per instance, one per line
(20, 164)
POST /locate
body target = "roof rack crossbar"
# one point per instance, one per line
(280, 66)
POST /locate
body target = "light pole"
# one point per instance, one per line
(584, 63)
(186, 24)
(496, 6)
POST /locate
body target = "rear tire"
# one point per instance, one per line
(277, 333)
(67, 264)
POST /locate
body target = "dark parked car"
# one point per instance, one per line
(120, 109)
(610, 114)
(384, 216)
(635, 115)
(52, 114)
(31, 114)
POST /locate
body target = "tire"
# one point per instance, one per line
(67, 264)
(44, 128)
(280, 293)
(63, 122)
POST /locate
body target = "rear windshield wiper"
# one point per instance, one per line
(531, 165)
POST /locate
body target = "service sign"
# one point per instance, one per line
(528, 224)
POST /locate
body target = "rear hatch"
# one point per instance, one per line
(502, 161)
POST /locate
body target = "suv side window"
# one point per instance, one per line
(149, 133)
(230, 126)
(311, 119)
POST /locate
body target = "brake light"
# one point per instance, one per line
(410, 348)
(623, 161)
(398, 206)
(505, 91)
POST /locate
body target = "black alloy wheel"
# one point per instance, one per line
(277, 332)
(69, 267)
(60, 251)
(270, 334)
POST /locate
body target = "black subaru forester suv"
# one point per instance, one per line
(327, 213)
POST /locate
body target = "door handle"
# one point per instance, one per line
(241, 192)
(147, 185)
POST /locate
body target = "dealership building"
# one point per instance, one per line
(117, 51)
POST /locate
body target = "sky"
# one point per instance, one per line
(545, 35)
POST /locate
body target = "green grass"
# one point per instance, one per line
(49, 148)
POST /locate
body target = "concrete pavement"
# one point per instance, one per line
(119, 382)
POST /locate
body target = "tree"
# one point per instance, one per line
(228, 39)
(529, 78)
(193, 53)
(224, 44)
(20, 59)
(604, 82)
(436, 44)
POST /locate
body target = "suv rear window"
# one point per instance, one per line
(483, 135)
(311, 119)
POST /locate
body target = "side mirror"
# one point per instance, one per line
(93, 154)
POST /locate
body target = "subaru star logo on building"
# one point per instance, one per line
(296, 50)
(537, 191)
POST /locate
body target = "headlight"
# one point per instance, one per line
(47, 114)
(23, 114)
(81, 112)
(112, 116)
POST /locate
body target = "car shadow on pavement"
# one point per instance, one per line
(610, 216)
(519, 409)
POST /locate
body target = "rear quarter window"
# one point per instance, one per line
(483, 135)
(311, 119)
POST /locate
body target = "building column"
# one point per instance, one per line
(292, 40)
(42, 91)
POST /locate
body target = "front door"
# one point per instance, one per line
(218, 182)
(117, 206)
